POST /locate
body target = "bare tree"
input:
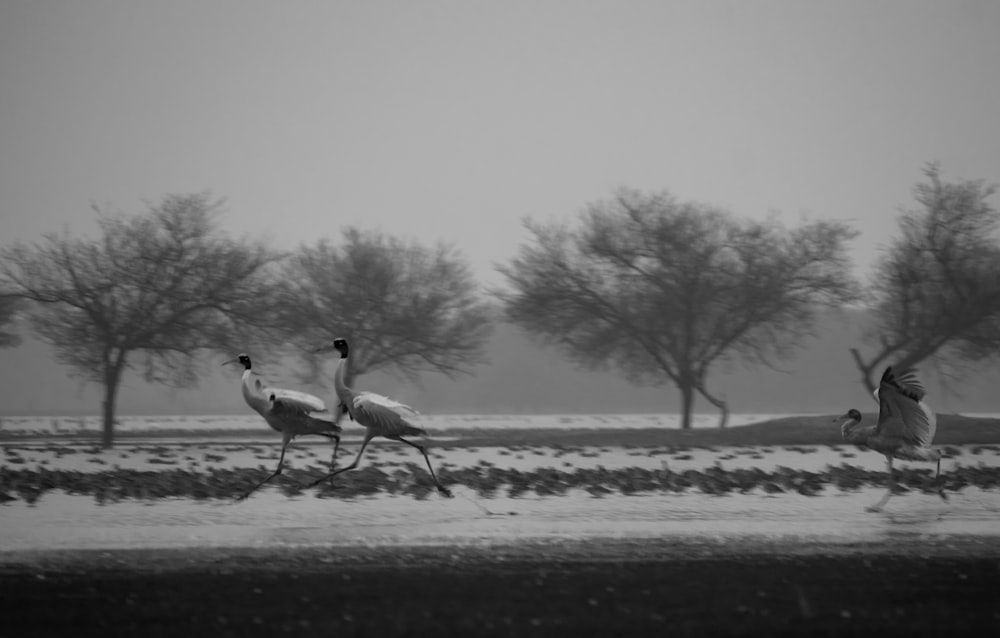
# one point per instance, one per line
(149, 294)
(663, 290)
(935, 294)
(9, 306)
(406, 308)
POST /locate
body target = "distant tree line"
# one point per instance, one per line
(659, 289)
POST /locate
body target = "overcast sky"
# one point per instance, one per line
(454, 120)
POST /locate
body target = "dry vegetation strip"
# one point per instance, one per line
(811, 430)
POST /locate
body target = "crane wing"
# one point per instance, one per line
(906, 382)
(383, 418)
(902, 412)
(293, 399)
(290, 399)
(377, 399)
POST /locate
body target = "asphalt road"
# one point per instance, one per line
(597, 587)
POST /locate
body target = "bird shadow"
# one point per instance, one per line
(487, 512)
(913, 520)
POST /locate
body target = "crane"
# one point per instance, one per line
(379, 415)
(905, 427)
(290, 412)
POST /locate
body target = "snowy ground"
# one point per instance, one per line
(59, 521)
(269, 520)
(306, 453)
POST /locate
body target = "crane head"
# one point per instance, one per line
(340, 345)
(851, 415)
(243, 359)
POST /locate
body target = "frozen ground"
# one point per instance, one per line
(63, 522)
(596, 559)
(305, 453)
(60, 521)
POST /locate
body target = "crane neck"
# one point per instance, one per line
(849, 431)
(252, 394)
(339, 382)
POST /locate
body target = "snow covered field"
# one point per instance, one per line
(58, 520)
(312, 454)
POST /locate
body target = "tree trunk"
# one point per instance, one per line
(108, 409)
(687, 405)
(719, 403)
(112, 379)
(865, 369)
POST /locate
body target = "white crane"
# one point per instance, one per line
(905, 428)
(379, 415)
(289, 412)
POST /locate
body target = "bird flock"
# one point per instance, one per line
(904, 430)
(294, 413)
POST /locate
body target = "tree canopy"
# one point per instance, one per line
(935, 294)
(662, 289)
(147, 294)
(405, 307)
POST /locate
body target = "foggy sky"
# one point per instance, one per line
(454, 120)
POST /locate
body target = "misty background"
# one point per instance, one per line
(455, 120)
(521, 378)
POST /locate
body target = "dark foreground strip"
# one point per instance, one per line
(31, 485)
(601, 588)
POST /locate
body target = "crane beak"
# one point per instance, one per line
(231, 361)
(326, 347)
(840, 418)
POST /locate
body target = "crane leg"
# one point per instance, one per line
(888, 494)
(441, 488)
(354, 463)
(281, 463)
(336, 446)
(937, 477)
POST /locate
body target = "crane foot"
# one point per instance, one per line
(445, 491)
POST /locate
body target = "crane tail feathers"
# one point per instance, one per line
(413, 430)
